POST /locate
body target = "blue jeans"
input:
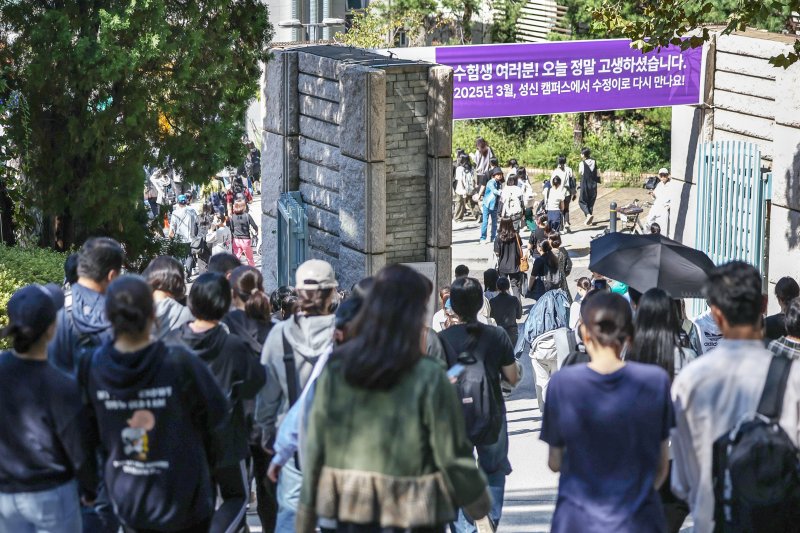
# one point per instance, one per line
(493, 460)
(289, 484)
(555, 218)
(486, 214)
(49, 511)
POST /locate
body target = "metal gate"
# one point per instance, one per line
(292, 236)
(732, 203)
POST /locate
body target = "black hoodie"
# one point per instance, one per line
(253, 332)
(156, 410)
(239, 374)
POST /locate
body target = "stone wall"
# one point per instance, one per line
(747, 99)
(356, 134)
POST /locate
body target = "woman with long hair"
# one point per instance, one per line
(564, 261)
(250, 316)
(608, 423)
(657, 341)
(167, 277)
(539, 234)
(508, 249)
(513, 202)
(420, 451)
(545, 275)
(241, 223)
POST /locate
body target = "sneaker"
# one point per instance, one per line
(485, 525)
(589, 220)
(482, 241)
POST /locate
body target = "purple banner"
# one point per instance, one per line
(507, 80)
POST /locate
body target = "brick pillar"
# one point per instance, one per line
(279, 153)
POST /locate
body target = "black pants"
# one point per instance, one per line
(266, 495)
(587, 199)
(200, 527)
(565, 211)
(675, 509)
(231, 482)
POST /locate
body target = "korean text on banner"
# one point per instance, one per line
(568, 77)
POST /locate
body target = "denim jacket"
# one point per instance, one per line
(491, 194)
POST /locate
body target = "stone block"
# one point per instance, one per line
(319, 196)
(748, 125)
(786, 168)
(746, 104)
(362, 127)
(440, 202)
(279, 173)
(355, 265)
(269, 252)
(319, 109)
(743, 45)
(317, 65)
(323, 241)
(322, 219)
(280, 94)
(318, 87)
(319, 153)
(319, 130)
(443, 257)
(320, 176)
(746, 65)
(440, 111)
(362, 205)
(788, 97)
(738, 83)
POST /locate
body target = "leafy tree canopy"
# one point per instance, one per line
(653, 24)
(95, 90)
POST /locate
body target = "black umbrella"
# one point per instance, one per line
(645, 262)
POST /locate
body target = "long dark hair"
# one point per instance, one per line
(547, 254)
(248, 284)
(607, 318)
(506, 233)
(656, 331)
(387, 333)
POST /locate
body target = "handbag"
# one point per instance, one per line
(523, 259)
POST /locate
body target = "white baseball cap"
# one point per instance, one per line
(664, 171)
(315, 274)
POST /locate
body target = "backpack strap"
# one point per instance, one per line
(292, 385)
(771, 402)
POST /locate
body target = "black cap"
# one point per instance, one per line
(495, 171)
(35, 307)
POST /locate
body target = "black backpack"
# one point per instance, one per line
(755, 467)
(483, 412)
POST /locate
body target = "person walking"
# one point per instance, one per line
(545, 273)
(219, 236)
(539, 234)
(489, 205)
(590, 178)
(492, 346)
(788, 345)
(564, 262)
(200, 246)
(464, 184)
(183, 228)
(508, 249)
(786, 290)
(239, 375)
(554, 198)
(567, 177)
(716, 391)
(511, 198)
(166, 277)
(157, 411)
(613, 450)
(425, 451)
(656, 341)
(306, 335)
(665, 195)
(507, 309)
(483, 156)
(241, 222)
(45, 461)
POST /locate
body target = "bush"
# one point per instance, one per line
(23, 266)
(630, 142)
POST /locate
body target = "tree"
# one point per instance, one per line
(105, 87)
(661, 23)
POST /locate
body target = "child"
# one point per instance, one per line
(219, 236)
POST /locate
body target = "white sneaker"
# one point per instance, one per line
(484, 525)
(482, 241)
(589, 220)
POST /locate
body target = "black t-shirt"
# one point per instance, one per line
(493, 345)
(775, 326)
(506, 309)
(43, 426)
(538, 235)
(483, 180)
(241, 224)
(507, 256)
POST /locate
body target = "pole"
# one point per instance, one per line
(612, 217)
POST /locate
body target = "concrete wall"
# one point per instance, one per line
(356, 134)
(747, 99)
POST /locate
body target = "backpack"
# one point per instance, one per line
(85, 346)
(513, 206)
(483, 413)
(755, 466)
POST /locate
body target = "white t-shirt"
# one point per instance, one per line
(565, 175)
(665, 194)
(554, 196)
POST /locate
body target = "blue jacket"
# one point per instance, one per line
(550, 312)
(492, 194)
(84, 322)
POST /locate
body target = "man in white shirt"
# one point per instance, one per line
(715, 391)
(567, 178)
(555, 197)
(183, 227)
(664, 196)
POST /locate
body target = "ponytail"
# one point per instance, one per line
(248, 284)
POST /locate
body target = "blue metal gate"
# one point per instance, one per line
(732, 203)
(292, 236)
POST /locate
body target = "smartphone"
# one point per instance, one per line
(456, 370)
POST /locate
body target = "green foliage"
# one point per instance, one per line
(22, 266)
(374, 27)
(653, 25)
(631, 142)
(504, 25)
(114, 85)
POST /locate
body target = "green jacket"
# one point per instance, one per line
(397, 457)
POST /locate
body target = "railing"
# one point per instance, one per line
(292, 236)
